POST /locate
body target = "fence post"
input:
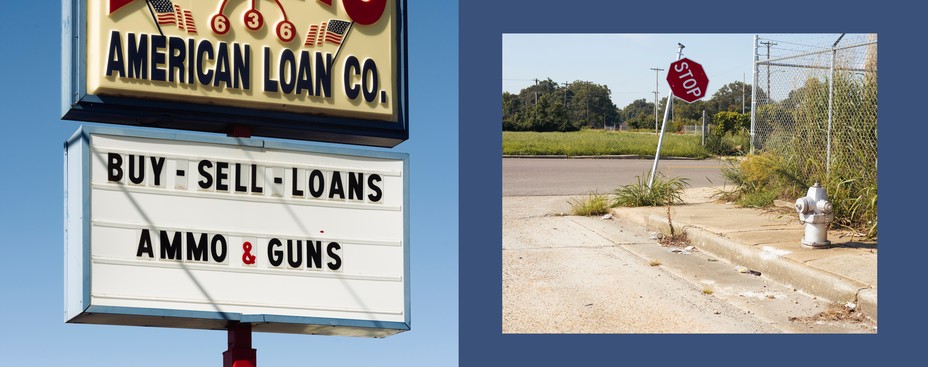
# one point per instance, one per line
(831, 97)
(703, 127)
(754, 92)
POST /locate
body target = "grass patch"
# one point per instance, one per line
(757, 199)
(729, 144)
(655, 262)
(707, 291)
(600, 142)
(595, 204)
(758, 180)
(664, 191)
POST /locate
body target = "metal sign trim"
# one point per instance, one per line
(78, 104)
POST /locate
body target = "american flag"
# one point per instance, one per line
(170, 13)
(167, 12)
(164, 12)
(333, 32)
(336, 31)
(312, 35)
(188, 20)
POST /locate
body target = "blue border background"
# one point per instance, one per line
(900, 335)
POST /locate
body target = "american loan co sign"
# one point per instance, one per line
(325, 70)
(195, 231)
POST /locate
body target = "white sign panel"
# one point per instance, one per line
(195, 231)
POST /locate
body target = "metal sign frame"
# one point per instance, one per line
(78, 245)
(77, 104)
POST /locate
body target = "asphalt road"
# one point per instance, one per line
(562, 176)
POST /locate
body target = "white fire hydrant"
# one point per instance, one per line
(815, 211)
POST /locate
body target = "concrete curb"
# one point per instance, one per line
(813, 281)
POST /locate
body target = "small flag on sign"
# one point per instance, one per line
(179, 17)
(166, 11)
(336, 31)
(163, 12)
(311, 35)
(188, 21)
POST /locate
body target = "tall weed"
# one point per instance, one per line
(664, 191)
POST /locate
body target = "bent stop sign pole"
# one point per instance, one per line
(660, 138)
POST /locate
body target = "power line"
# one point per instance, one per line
(768, 44)
(799, 44)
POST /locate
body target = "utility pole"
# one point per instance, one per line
(566, 106)
(657, 72)
(587, 116)
(566, 85)
(536, 90)
(768, 44)
(742, 95)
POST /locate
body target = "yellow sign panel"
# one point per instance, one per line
(325, 57)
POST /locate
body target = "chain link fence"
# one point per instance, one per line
(816, 104)
(814, 119)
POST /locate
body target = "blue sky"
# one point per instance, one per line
(623, 62)
(31, 187)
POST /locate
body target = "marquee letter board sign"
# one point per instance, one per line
(195, 231)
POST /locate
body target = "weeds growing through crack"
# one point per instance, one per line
(595, 204)
(663, 191)
(674, 239)
(669, 220)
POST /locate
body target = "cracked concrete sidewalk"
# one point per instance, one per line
(768, 241)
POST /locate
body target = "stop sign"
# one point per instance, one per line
(688, 81)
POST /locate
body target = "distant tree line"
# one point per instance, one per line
(549, 106)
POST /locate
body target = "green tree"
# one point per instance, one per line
(590, 104)
(548, 106)
(732, 97)
(529, 95)
(687, 114)
(730, 122)
(549, 115)
(639, 114)
(512, 107)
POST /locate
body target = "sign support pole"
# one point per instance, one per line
(703, 127)
(660, 138)
(240, 353)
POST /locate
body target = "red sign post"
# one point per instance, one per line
(687, 79)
